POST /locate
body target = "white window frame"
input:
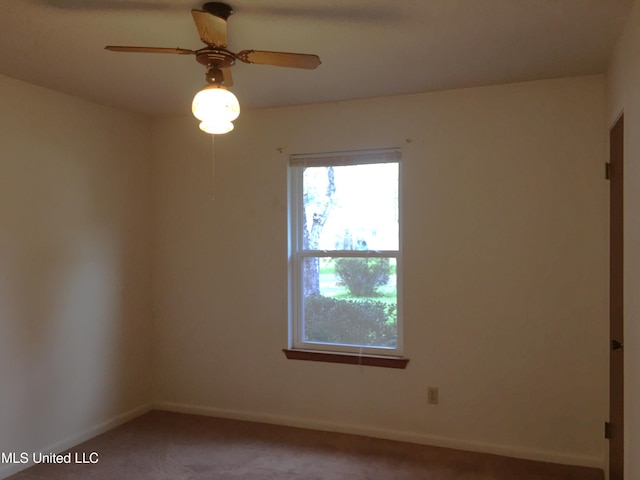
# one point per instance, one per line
(297, 162)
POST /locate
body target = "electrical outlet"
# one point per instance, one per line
(432, 395)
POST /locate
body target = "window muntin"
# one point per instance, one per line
(345, 257)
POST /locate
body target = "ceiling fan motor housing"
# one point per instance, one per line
(216, 57)
(215, 60)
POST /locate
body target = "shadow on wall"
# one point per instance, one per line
(63, 300)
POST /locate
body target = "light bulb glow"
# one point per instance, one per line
(216, 107)
(216, 127)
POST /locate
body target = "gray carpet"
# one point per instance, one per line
(171, 446)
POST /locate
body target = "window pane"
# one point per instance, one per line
(350, 301)
(351, 207)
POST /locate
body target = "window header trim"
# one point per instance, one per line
(336, 159)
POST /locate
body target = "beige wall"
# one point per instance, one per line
(623, 82)
(74, 268)
(505, 279)
(505, 275)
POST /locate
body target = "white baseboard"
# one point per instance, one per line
(78, 438)
(402, 436)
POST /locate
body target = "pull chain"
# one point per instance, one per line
(213, 167)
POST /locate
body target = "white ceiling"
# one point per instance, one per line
(368, 48)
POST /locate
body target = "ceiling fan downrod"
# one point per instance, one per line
(219, 9)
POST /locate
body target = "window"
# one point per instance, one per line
(345, 253)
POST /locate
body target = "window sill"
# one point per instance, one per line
(351, 359)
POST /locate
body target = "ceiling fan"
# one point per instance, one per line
(211, 23)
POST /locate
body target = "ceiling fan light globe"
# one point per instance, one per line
(215, 104)
(216, 128)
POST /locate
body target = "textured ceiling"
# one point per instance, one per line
(368, 48)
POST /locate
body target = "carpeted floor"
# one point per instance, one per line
(171, 446)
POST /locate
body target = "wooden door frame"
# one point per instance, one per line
(616, 300)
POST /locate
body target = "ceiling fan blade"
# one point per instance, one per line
(279, 59)
(212, 29)
(179, 51)
(228, 79)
